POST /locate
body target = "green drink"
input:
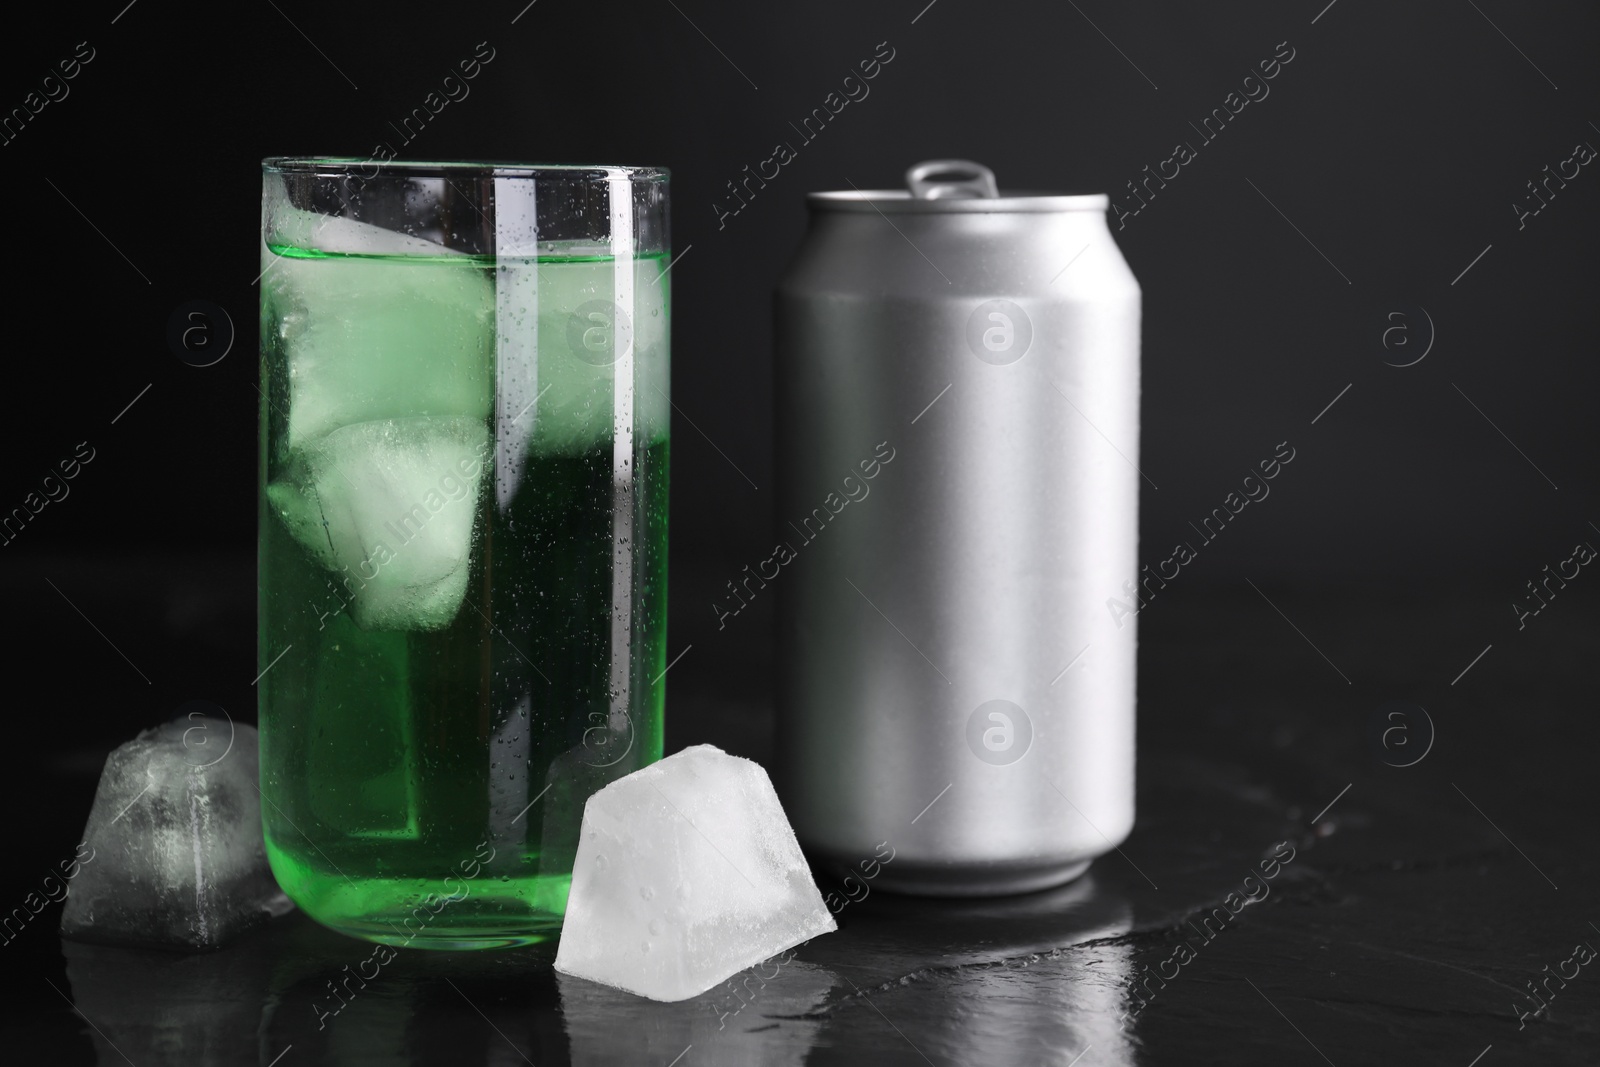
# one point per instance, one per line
(463, 560)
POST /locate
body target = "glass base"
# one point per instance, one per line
(457, 913)
(464, 931)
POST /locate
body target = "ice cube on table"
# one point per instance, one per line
(389, 507)
(179, 858)
(687, 872)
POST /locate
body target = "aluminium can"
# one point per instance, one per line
(957, 410)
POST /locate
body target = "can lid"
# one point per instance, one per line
(947, 186)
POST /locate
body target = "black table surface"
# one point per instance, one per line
(1434, 913)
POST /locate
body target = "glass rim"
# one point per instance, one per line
(339, 166)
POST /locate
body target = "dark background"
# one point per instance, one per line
(1396, 141)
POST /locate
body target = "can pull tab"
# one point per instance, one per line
(951, 179)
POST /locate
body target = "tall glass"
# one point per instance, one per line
(463, 532)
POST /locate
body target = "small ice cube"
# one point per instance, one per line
(176, 829)
(388, 506)
(298, 228)
(370, 338)
(687, 872)
(389, 367)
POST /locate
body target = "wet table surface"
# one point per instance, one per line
(1438, 912)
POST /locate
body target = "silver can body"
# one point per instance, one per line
(957, 394)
